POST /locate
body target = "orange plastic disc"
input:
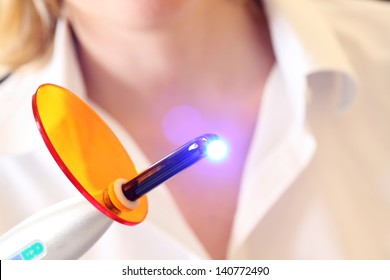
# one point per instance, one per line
(85, 148)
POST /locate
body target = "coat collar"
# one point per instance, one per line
(307, 47)
(307, 53)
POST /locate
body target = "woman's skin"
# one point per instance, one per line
(143, 59)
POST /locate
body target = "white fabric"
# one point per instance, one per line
(316, 182)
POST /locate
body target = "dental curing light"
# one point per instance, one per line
(68, 229)
(93, 159)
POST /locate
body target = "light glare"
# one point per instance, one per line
(217, 150)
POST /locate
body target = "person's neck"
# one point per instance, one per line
(205, 53)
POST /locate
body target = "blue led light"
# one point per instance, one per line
(217, 150)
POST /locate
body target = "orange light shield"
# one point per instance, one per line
(85, 149)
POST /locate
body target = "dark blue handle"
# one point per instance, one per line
(167, 167)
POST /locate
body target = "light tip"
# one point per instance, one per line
(217, 150)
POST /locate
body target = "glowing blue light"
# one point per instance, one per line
(217, 150)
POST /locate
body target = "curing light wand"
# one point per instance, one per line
(68, 229)
(180, 159)
(125, 194)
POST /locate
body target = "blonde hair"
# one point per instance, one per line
(26, 30)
